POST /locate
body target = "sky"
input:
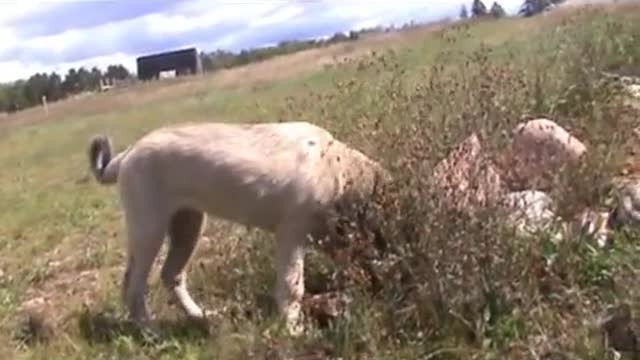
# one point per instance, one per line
(55, 35)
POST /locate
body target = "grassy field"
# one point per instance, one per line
(421, 92)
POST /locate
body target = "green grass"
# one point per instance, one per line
(56, 222)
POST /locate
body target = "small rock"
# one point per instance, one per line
(531, 211)
(539, 148)
(634, 90)
(627, 207)
(544, 132)
(467, 177)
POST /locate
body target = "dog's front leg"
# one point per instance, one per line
(289, 287)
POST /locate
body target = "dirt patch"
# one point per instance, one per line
(65, 292)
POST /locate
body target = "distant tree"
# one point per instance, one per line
(95, 78)
(71, 83)
(16, 96)
(497, 11)
(338, 37)
(243, 57)
(85, 80)
(4, 98)
(464, 13)
(533, 7)
(221, 59)
(54, 88)
(117, 72)
(478, 9)
(207, 62)
(34, 88)
(12, 107)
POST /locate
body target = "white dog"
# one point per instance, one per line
(280, 177)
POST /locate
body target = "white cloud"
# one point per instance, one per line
(100, 62)
(9, 11)
(13, 70)
(188, 19)
(585, 2)
(17, 70)
(367, 24)
(12, 10)
(277, 17)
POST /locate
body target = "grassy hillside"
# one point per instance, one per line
(421, 92)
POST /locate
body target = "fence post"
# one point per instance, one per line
(45, 105)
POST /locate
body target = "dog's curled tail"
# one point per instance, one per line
(104, 168)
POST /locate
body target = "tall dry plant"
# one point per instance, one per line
(432, 275)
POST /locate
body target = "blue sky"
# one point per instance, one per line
(52, 35)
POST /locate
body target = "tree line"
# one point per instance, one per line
(221, 59)
(528, 8)
(27, 93)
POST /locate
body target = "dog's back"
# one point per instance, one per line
(252, 174)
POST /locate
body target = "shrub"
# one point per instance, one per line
(449, 283)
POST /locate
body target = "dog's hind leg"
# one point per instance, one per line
(184, 230)
(145, 235)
